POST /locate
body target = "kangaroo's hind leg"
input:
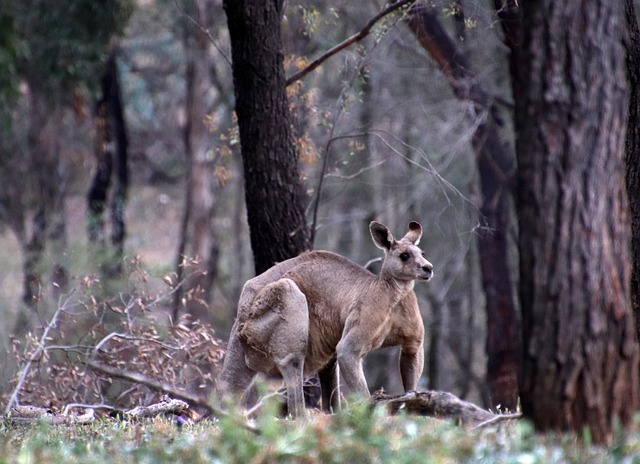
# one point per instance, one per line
(277, 327)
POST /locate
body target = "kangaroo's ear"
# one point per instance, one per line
(414, 234)
(382, 236)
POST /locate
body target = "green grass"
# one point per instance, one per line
(357, 435)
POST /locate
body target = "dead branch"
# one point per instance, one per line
(29, 414)
(441, 405)
(349, 41)
(37, 353)
(166, 388)
(166, 406)
(204, 31)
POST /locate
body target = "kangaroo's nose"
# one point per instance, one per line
(428, 269)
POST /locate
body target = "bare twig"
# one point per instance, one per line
(37, 353)
(112, 335)
(498, 418)
(347, 42)
(168, 389)
(321, 177)
(71, 406)
(262, 400)
(203, 31)
(141, 379)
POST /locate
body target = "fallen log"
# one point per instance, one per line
(440, 405)
(29, 414)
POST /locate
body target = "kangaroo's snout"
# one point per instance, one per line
(428, 270)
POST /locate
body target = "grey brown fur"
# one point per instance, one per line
(320, 311)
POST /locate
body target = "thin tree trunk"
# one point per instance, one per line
(495, 164)
(45, 172)
(121, 181)
(197, 235)
(580, 366)
(273, 192)
(111, 148)
(99, 188)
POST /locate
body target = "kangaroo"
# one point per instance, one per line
(321, 313)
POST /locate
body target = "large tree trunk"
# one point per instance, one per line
(580, 365)
(495, 164)
(274, 196)
(632, 153)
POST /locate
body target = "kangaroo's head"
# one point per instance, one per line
(403, 260)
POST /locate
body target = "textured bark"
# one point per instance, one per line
(274, 197)
(580, 366)
(495, 164)
(632, 153)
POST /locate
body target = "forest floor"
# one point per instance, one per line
(357, 435)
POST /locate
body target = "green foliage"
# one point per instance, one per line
(62, 43)
(358, 434)
(8, 55)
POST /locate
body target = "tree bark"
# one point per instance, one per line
(580, 366)
(495, 165)
(632, 153)
(273, 192)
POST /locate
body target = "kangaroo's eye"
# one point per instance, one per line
(404, 256)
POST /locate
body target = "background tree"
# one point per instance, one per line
(112, 168)
(273, 193)
(198, 237)
(580, 366)
(495, 160)
(59, 55)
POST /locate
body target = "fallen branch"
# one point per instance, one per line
(441, 405)
(166, 388)
(30, 414)
(36, 354)
(166, 406)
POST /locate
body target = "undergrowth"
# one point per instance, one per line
(358, 434)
